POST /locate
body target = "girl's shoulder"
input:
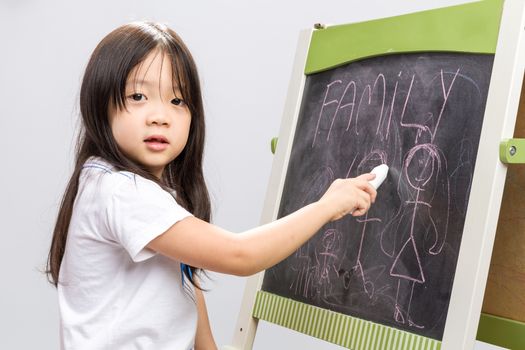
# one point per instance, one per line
(110, 181)
(100, 167)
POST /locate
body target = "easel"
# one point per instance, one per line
(502, 322)
(473, 263)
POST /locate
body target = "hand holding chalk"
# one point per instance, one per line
(381, 171)
(344, 192)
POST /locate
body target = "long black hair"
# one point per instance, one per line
(103, 86)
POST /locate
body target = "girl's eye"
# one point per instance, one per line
(177, 101)
(137, 97)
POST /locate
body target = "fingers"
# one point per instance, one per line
(362, 182)
(363, 203)
(359, 212)
(350, 196)
(367, 177)
(371, 191)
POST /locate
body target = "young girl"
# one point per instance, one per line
(133, 232)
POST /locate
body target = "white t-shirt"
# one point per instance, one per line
(113, 292)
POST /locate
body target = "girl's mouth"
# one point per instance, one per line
(156, 142)
(156, 138)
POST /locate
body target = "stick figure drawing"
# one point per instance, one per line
(416, 233)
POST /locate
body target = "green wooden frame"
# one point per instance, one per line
(347, 331)
(470, 28)
(501, 331)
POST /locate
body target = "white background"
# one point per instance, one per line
(244, 50)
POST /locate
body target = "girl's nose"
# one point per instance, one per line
(158, 116)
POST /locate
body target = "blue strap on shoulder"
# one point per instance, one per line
(184, 267)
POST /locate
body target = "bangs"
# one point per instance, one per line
(181, 79)
(182, 68)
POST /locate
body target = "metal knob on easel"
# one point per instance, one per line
(512, 151)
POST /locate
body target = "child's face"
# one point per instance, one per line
(153, 128)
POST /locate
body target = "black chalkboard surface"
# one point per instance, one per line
(421, 114)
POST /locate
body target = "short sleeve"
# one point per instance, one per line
(138, 211)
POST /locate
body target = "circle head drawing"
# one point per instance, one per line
(421, 165)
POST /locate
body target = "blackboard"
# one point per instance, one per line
(421, 114)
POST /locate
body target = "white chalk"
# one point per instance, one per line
(381, 172)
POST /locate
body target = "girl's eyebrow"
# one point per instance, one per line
(139, 82)
(147, 83)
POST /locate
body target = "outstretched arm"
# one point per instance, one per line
(200, 244)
